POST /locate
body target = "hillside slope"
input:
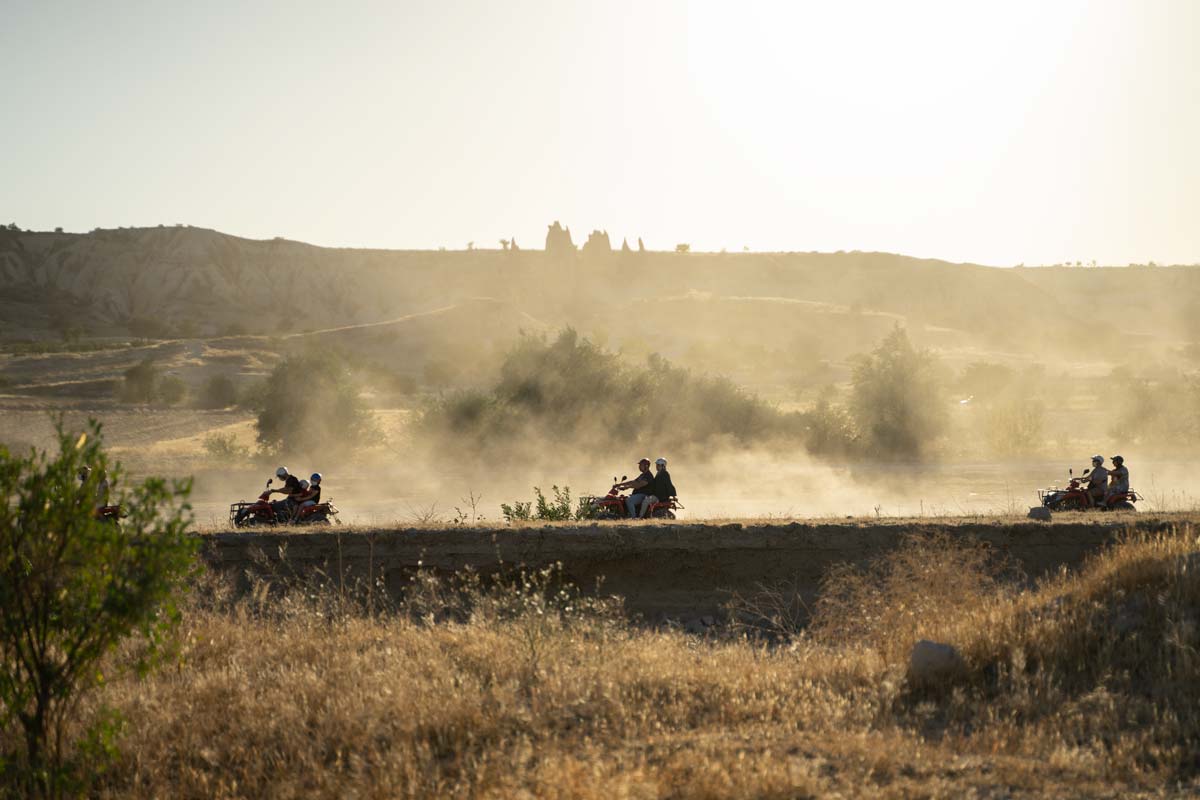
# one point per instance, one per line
(183, 281)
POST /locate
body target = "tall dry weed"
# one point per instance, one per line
(920, 590)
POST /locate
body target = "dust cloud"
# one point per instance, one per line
(776, 384)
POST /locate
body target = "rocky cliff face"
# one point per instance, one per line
(196, 281)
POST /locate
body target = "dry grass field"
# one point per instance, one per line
(1084, 686)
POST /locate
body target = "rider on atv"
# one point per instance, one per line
(286, 507)
(641, 487)
(1118, 479)
(661, 488)
(312, 491)
(1097, 481)
(102, 486)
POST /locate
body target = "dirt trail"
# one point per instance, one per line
(668, 571)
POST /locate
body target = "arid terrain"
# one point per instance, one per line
(759, 645)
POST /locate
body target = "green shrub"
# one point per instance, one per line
(224, 447)
(828, 429)
(559, 509)
(312, 403)
(896, 399)
(72, 588)
(570, 391)
(219, 392)
(141, 381)
(170, 389)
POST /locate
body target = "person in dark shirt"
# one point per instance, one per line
(640, 487)
(661, 488)
(312, 495)
(286, 507)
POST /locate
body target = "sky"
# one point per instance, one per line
(996, 133)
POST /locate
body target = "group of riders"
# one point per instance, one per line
(1104, 484)
(300, 493)
(647, 489)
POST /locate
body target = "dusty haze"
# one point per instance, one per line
(1035, 369)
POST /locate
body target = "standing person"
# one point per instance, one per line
(661, 488)
(1118, 479)
(640, 487)
(1097, 485)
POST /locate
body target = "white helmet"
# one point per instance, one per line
(662, 461)
(303, 484)
(1097, 459)
(281, 472)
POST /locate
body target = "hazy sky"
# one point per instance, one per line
(998, 133)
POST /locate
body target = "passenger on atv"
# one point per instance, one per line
(312, 491)
(1118, 476)
(661, 488)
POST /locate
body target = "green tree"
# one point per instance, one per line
(896, 399)
(311, 402)
(170, 389)
(219, 392)
(71, 588)
(141, 382)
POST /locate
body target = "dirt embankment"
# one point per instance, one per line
(669, 571)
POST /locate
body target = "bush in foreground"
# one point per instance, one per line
(72, 588)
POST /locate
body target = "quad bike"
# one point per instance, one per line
(1075, 497)
(263, 512)
(613, 506)
(109, 514)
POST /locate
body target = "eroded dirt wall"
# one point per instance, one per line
(683, 572)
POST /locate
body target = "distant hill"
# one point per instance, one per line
(183, 282)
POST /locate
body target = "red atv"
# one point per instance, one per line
(1076, 497)
(613, 505)
(110, 514)
(263, 512)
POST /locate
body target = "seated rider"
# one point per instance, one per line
(291, 487)
(1097, 485)
(102, 486)
(661, 489)
(640, 486)
(312, 492)
(1118, 480)
(102, 490)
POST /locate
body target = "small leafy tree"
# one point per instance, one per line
(896, 400)
(219, 392)
(141, 382)
(311, 402)
(71, 588)
(171, 389)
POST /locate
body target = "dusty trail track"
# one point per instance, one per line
(664, 571)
